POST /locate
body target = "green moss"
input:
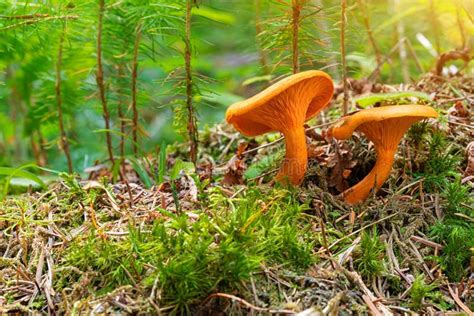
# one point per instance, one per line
(442, 161)
(369, 261)
(456, 230)
(420, 292)
(457, 237)
(192, 257)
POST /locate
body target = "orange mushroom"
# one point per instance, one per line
(284, 107)
(385, 127)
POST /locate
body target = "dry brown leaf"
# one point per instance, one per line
(236, 167)
(341, 163)
(234, 173)
(317, 152)
(346, 173)
(459, 114)
(470, 160)
(204, 171)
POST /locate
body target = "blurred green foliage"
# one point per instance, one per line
(226, 53)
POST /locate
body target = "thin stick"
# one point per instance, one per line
(325, 242)
(37, 148)
(343, 57)
(295, 25)
(461, 124)
(59, 103)
(192, 126)
(425, 242)
(24, 17)
(415, 57)
(129, 190)
(370, 304)
(247, 304)
(34, 21)
(281, 138)
(42, 145)
(356, 279)
(387, 57)
(136, 47)
(121, 113)
(458, 301)
(361, 229)
(100, 82)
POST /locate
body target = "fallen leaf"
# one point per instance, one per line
(470, 160)
(97, 185)
(346, 173)
(317, 152)
(234, 173)
(459, 114)
(204, 171)
(461, 110)
(236, 167)
(341, 162)
(241, 148)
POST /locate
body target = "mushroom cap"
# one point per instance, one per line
(302, 94)
(344, 128)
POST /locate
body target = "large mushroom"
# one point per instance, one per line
(284, 107)
(384, 127)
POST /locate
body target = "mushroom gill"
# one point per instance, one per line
(384, 127)
(284, 107)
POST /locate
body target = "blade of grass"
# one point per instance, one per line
(19, 172)
(162, 162)
(142, 173)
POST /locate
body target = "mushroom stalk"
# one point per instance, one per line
(294, 166)
(374, 180)
(384, 127)
(284, 107)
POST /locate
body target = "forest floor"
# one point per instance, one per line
(224, 239)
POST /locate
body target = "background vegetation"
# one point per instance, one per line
(178, 213)
(44, 44)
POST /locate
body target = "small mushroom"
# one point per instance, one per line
(284, 107)
(385, 127)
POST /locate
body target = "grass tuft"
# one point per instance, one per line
(371, 252)
(190, 258)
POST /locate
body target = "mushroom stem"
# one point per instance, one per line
(374, 179)
(294, 166)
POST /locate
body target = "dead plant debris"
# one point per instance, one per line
(407, 249)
